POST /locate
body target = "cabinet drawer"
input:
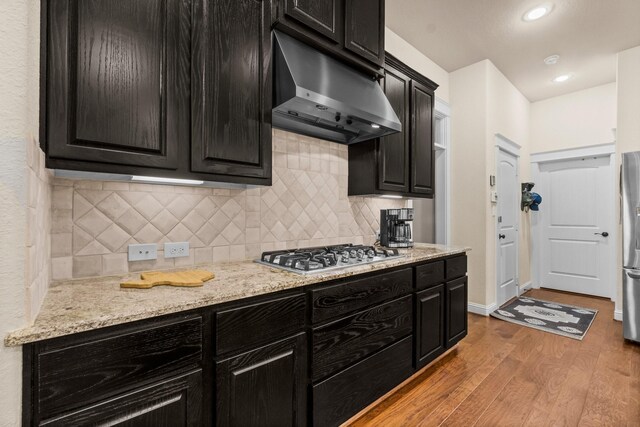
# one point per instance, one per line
(243, 327)
(347, 297)
(429, 274)
(348, 340)
(456, 267)
(81, 372)
(178, 400)
(340, 397)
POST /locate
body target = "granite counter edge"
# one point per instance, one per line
(35, 332)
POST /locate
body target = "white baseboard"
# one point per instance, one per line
(483, 310)
(617, 315)
(526, 286)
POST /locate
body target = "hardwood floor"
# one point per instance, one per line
(503, 374)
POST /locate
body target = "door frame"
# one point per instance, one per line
(508, 146)
(537, 159)
(442, 199)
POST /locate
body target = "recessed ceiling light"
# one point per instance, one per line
(562, 78)
(537, 12)
(551, 60)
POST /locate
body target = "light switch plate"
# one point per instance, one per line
(143, 252)
(176, 250)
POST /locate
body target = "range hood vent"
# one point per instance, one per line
(318, 96)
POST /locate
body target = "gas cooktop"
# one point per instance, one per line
(326, 258)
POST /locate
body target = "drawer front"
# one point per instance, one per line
(338, 398)
(176, 400)
(345, 298)
(430, 274)
(456, 267)
(244, 327)
(85, 372)
(348, 340)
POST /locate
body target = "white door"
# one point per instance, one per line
(508, 211)
(576, 215)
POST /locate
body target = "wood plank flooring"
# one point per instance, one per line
(503, 374)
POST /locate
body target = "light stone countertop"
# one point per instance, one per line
(85, 304)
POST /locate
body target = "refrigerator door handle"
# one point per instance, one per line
(634, 276)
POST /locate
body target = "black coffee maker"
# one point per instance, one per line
(395, 228)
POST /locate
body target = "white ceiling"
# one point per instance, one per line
(586, 34)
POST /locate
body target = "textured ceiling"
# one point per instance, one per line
(586, 34)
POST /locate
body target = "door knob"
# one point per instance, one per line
(501, 236)
(603, 234)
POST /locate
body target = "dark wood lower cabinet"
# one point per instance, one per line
(341, 396)
(456, 310)
(345, 341)
(318, 355)
(430, 325)
(174, 402)
(264, 387)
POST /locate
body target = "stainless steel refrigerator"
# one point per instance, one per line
(631, 245)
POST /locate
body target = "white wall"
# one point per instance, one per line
(19, 46)
(411, 56)
(577, 119)
(484, 103)
(628, 122)
(469, 99)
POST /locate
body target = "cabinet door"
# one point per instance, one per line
(231, 96)
(176, 402)
(422, 158)
(456, 324)
(430, 325)
(364, 29)
(322, 16)
(393, 150)
(264, 387)
(116, 81)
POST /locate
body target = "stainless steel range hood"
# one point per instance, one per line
(319, 96)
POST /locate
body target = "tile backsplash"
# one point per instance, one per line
(38, 226)
(93, 222)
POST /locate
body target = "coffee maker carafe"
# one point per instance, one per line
(395, 228)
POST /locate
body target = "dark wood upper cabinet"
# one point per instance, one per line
(264, 387)
(115, 79)
(323, 16)
(231, 88)
(423, 159)
(170, 88)
(350, 30)
(364, 29)
(394, 150)
(402, 163)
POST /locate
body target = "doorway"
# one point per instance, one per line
(507, 220)
(431, 224)
(576, 224)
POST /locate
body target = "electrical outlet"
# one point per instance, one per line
(143, 252)
(176, 250)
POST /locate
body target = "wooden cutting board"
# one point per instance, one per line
(189, 278)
